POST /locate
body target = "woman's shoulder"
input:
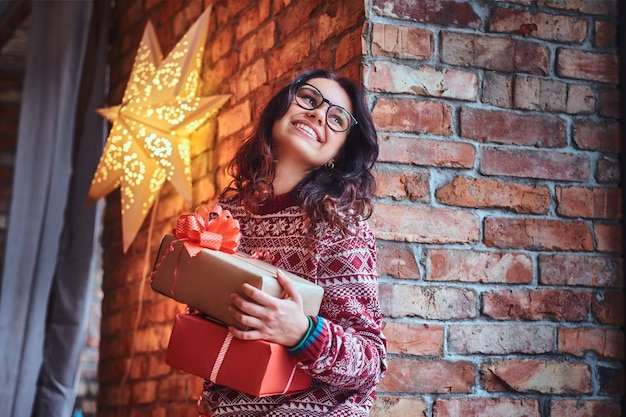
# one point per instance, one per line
(230, 202)
(358, 233)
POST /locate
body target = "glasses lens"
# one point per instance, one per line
(338, 118)
(308, 98)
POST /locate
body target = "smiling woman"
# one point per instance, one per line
(301, 192)
(303, 138)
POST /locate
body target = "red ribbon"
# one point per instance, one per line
(215, 229)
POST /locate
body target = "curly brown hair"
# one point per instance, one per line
(340, 195)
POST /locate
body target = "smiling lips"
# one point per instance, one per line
(308, 129)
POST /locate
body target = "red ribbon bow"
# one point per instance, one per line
(214, 229)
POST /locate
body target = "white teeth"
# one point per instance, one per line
(307, 129)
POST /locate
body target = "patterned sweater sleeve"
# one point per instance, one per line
(346, 347)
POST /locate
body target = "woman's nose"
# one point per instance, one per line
(319, 114)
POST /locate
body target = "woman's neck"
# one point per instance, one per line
(286, 179)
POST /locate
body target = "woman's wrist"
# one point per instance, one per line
(304, 338)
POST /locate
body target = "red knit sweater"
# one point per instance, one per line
(348, 358)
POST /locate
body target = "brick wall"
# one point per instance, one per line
(498, 209)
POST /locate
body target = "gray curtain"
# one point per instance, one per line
(50, 244)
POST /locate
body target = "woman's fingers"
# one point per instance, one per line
(245, 334)
(288, 287)
(280, 320)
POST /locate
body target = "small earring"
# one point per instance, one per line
(330, 164)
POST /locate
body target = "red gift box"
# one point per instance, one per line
(207, 349)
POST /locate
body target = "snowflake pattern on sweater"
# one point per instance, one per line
(348, 359)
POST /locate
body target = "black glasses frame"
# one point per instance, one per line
(353, 121)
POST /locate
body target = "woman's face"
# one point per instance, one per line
(303, 137)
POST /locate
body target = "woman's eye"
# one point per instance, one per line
(338, 120)
(309, 98)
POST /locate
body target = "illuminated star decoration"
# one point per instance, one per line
(149, 140)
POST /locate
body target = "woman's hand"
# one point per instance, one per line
(277, 320)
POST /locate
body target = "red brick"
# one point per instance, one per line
(438, 12)
(543, 376)
(111, 370)
(350, 47)
(487, 193)
(500, 339)
(407, 115)
(609, 100)
(435, 303)
(153, 338)
(459, 265)
(605, 34)
(144, 392)
(426, 152)
(132, 17)
(540, 304)
(611, 379)
(590, 66)
(551, 27)
(386, 406)
(295, 17)
(606, 343)
(537, 234)
(177, 386)
(498, 89)
(608, 308)
(402, 42)
(184, 18)
(596, 7)
(512, 128)
(529, 163)
(337, 18)
(603, 136)
(498, 54)
(426, 376)
(223, 70)
(413, 223)
(251, 19)
(412, 339)
(253, 77)
(608, 237)
(533, 93)
(598, 203)
(397, 259)
(586, 408)
(401, 184)
(168, 10)
(392, 77)
(580, 99)
(259, 42)
(608, 170)
(235, 118)
(286, 56)
(486, 407)
(581, 270)
(161, 311)
(226, 12)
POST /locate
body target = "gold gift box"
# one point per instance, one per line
(205, 281)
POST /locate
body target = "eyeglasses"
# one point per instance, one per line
(337, 118)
